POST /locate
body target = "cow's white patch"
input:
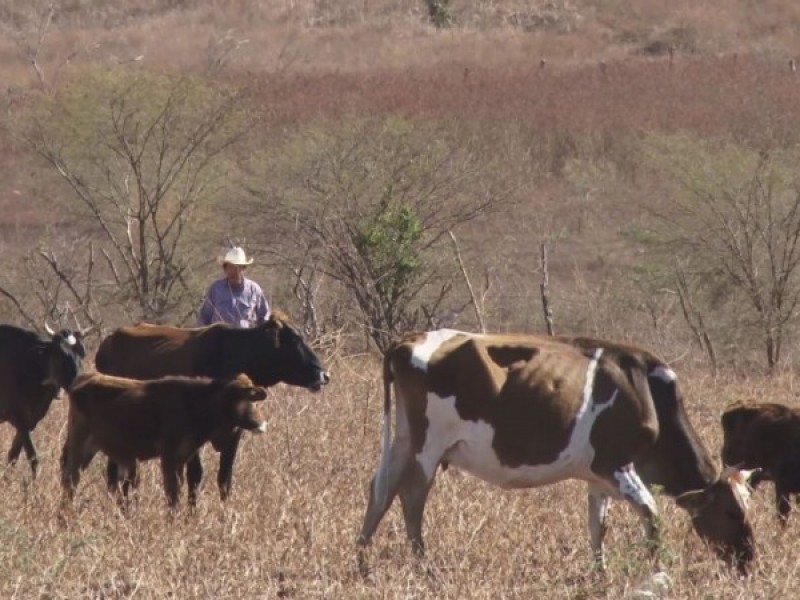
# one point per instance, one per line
(468, 444)
(71, 340)
(421, 355)
(632, 487)
(263, 427)
(665, 374)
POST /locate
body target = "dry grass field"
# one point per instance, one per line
(299, 495)
(290, 528)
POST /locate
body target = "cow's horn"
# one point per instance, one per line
(48, 329)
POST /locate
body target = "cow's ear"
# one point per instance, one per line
(695, 501)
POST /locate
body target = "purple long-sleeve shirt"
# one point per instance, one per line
(243, 307)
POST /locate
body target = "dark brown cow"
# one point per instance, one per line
(269, 353)
(169, 418)
(765, 436)
(524, 411)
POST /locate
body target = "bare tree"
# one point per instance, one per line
(140, 153)
(735, 222)
(28, 24)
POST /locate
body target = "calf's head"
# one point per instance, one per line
(239, 397)
(720, 516)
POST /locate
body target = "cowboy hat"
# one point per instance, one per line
(235, 256)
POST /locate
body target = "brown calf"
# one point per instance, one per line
(765, 436)
(168, 418)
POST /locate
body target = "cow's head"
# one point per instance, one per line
(65, 351)
(283, 355)
(239, 397)
(720, 516)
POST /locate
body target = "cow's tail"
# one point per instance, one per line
(381, 484)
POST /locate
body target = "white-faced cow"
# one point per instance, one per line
(524, 411)
(33, 369)
(169, 418)
(269, 353)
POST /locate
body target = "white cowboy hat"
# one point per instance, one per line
(235, 256)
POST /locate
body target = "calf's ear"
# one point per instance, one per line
(695, 501)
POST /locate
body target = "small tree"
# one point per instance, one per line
(388, 244)
(140, 154)
(371, 202)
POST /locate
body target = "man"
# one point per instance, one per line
(234, 299)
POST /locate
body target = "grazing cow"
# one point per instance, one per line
(32, 371)
(524, 411)
(269, 353)
(765, 436)
(169, 418)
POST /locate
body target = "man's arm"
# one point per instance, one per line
(206, 312)
(262, 306)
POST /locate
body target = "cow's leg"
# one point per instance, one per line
(380, 500)
(414, 488)
(194, 476)
(599, 501)
(30, 450)
(227, 456)
(70, 470)
(170, 470)
(112, 476)
(76, 455)
(627, 484)
(16, 448)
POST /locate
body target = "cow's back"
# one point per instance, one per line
(147, 351)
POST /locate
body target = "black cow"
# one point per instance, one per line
(32, 371)
(269, 353)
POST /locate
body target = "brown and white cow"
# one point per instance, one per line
(765, 436)
(524, 411)
(169, 418)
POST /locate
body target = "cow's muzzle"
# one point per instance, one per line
(324, 379)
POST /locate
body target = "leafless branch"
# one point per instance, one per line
(31, 321)
(544, 288)
(474, 300)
